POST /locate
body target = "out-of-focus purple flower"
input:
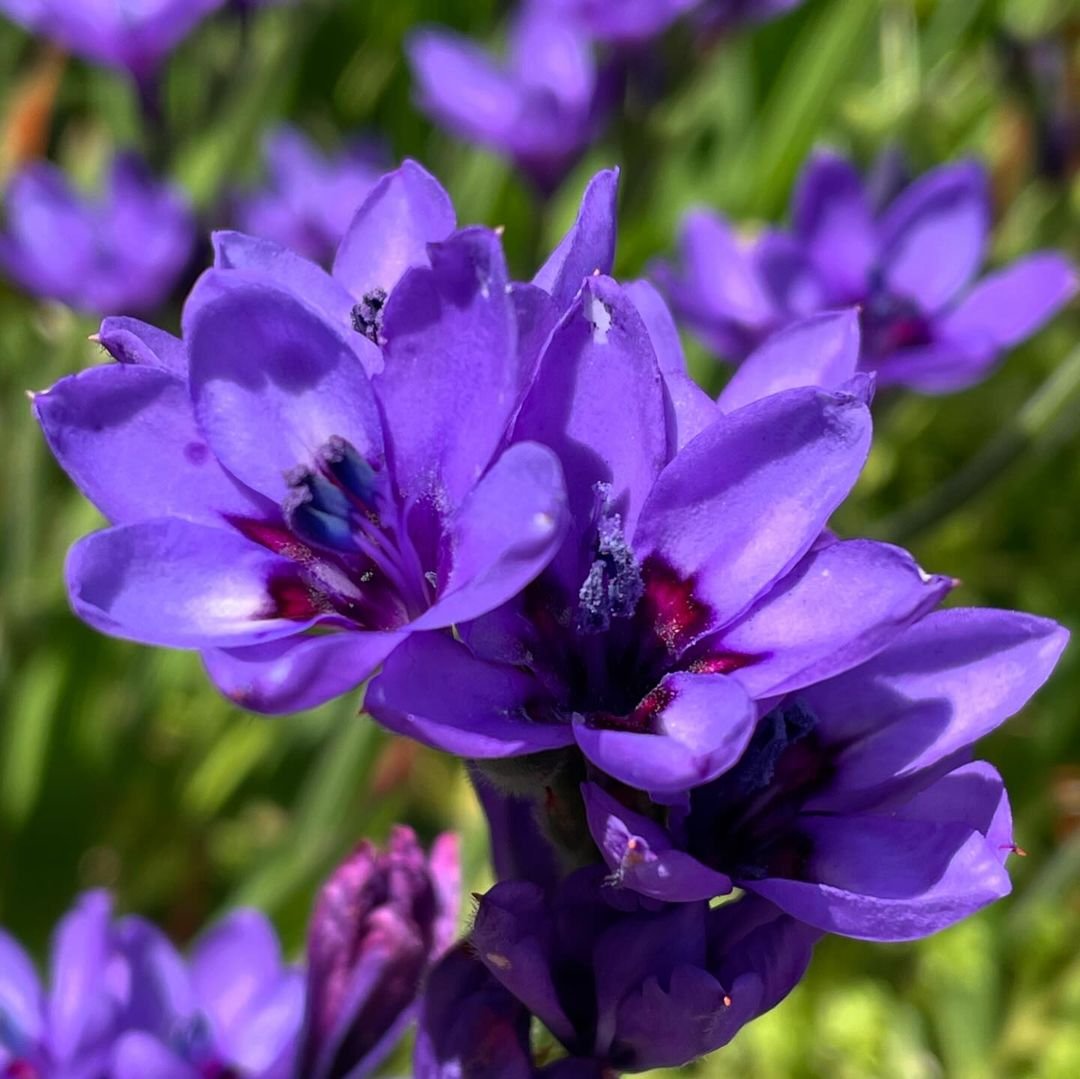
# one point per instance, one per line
(318, 469)
(855, 808)
(134, 35)
(122, 251)
(380, 922)
(107, 976)
(693, 581)
(624, 986)
(910, 268)
(309, 200)
(236, 1011)
(541, 107)
(632, 22)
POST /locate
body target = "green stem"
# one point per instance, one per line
(1042, 418)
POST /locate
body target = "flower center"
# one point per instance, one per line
(889, 323)
(745, 823)
(345, 532)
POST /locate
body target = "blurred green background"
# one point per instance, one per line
(120, 767)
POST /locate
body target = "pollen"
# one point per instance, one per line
(497, 960)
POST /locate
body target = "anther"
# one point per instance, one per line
(339, 460)
(367, 315)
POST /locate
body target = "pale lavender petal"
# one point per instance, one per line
(130, 341)
(180, 584)
(819, 351)
(406, 210)
(297, 673)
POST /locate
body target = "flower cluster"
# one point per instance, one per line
(122, 1003)
(706, 729)
(123, 251)
(907, 262)
(566, 66)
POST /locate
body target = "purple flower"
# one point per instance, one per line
(381, 920)
(629, 22)
(134, 36)
(310, 200)
(306, 479)
(541, 108)
(106, 976)
(695, 579)
(122, 251)
(910, 267)
(235, 1011)
(623, 986)
(632, 22)
(855, 807)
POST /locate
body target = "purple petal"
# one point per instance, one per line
(280, 266)
(641, 856)
(588, 247)
(819, 351)
(701, 724)
(742, 503)
(790, 277)
(461, 86)
(1010, 305)
(693, 408)
(127, 436)
(79, 1012)
(296, 673)
(946, 682)
(598, 401)
(406, 210)
(512, 936)
(233, 963)
(886, 878)
(270, 1025)
(179, 584)
(156, 992)
(139, 1054)
(933, 236)
(461, 705)
(552, 58)
(505, 532)
(470, 1025)
(272, 382)
(831, 215)
(720, 277)
(21, 1001)
(840, 606)
(130, 341)
(450, 381)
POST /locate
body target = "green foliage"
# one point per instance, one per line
(120, 767)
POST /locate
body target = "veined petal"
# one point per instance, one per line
(461, 704)
(126, 434)
(819, 351)
(272, 382)
(296, 673)
(599, 402)
(181, 584)
(406, 210)
(588, 247)
(129, 340)
(888, 878)
(943, 684)
(505, 532)
(700, 724)
(839, 607)
(280, 266)
(743, 502)
(450, 381)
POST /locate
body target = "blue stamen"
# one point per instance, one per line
(317, 526)
(324, 495)
(339, 460)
